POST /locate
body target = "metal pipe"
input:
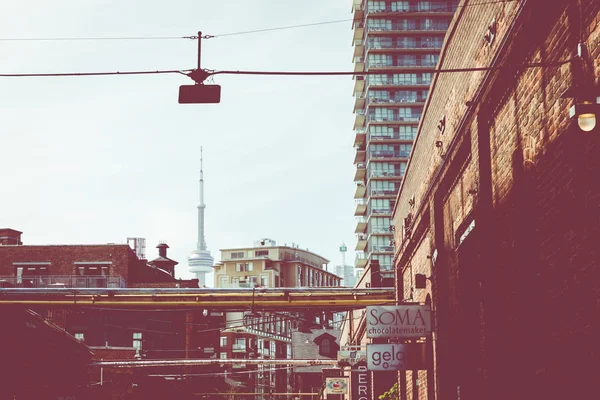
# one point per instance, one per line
(209, 361)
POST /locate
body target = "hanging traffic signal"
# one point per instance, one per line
(197, 94)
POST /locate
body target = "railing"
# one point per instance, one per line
(379, 229)
(397, 100)
(382, 248)
(361, 220)
(391, 118)
(392, 136)
(401, 63)
(381, 210)
(63, 281)
(407, 28)
(383, 192)
(381, 82)
(238, 346)
(431, 9)
(381, 174)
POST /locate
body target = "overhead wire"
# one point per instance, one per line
(236, 33)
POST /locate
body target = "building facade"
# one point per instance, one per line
(118, 333)
(398, 44)
(496, 223)
(254, 334)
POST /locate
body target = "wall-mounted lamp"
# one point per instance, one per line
(584, 92)
(442, 124)
(490, 35)
(439, 144)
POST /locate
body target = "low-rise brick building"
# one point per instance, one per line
(499, 207)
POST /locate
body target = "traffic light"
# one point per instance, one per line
(196, 94)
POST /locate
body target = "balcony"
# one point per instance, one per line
(399, 100)
(384, 192)
(361, 172)
(361, 244)
(360, 119)
(361, 156)
(388, 154)
(401, 64)
(406, 45)
(63, 281)
(377, 82)
(380, 230)
(407, 28)
(392, 118)
(361, 207)
(359, 138)
(382, 249)
(360, 261)
(379, 137)
(380, 211)
(361, 225)
(359, 47)
(377, 10)
(384, 174)
(360, 192)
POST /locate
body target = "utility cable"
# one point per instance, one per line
(50, 39)
(286, 73)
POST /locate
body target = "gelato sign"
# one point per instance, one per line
(406, 321)
(396, 357)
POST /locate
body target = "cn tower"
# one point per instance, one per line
(200, 261)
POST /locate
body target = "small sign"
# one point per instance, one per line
(336, 386)
(406, 321)
(360, 383)
(396, 357)
(351, 357)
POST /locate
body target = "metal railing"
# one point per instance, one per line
(382, 248)
(397, 100)
(381, 174)
(391, 81)
(391, 136)
(391, 118)
(63, 281)
(383, 192)
(401, 63)
(395, 9)
(407, 28)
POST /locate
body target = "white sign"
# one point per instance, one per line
(336, 386)
(406, 321)
(396, 357)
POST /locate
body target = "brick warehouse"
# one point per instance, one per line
(114, 334)
(499, 208)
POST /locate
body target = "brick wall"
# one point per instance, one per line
(509, 204)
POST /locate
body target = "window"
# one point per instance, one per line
(223, 341)
(223, 281)
(325, 346)
(264, 281)
(223, 356)
(240, 344)
(137, 340)
(235, 281)
(243, 267)
(237, 254)
(259, 253)
(79, 336)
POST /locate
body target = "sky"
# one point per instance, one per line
(92, 160)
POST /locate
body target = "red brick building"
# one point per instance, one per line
(117, 334)
(499, 207)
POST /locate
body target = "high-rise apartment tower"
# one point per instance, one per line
(398, 41)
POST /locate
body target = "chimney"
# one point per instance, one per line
(10, 237)
(162, 249)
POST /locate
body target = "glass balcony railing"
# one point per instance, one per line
(399, 8)
(389, 154)
(383, 192)
(396, 100)
(384, 174)
(408, 27)
(380, 229)
(380, 249)
(392, 118)
(63, 281)
(398, 82)
(381, 210)
(391, 136)
(402, 63)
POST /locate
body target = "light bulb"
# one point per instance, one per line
(586, 122)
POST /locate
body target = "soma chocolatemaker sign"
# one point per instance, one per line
(403, 321)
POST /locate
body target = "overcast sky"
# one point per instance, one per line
(90, 160)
